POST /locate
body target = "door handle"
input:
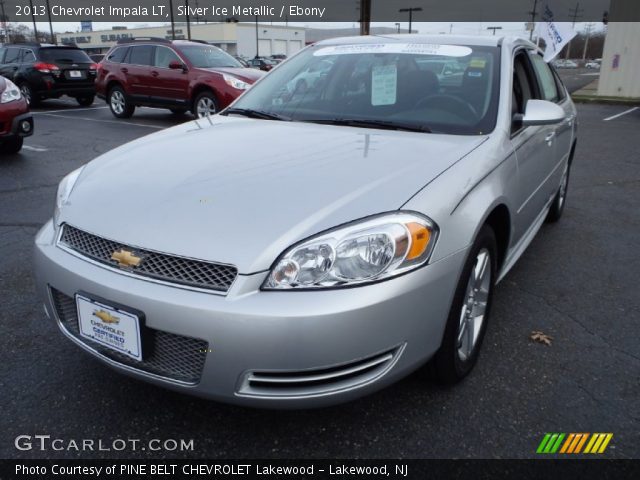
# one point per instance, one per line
(154, 73)
(549, 137)
(124, 70)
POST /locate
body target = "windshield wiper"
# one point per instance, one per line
(366, 123)
(248, 112)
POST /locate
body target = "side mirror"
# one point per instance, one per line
(177, 65)
(540, 112)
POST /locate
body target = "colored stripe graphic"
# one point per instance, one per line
(555, 443)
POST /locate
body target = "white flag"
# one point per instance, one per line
(555, 34)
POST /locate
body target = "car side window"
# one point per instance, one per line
(164, 56)
(562, 93)
(545, 78)
(523, 89)
(2, 52)
(141, 55)
(28, 56)
(117, 56)
(13, 54)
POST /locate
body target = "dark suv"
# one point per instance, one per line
(49, 71)
(178, 75)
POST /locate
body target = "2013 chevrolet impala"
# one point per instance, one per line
(313, 244)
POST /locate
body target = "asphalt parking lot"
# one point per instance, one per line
(577, 283)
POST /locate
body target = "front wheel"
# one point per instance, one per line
(469, 314)
(12, 145)
(205, 105)
(85, 101)
(120, 106)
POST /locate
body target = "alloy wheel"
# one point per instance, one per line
(472, 314)
(26, 93)
(562, 193)
(205, 107)
(117, 102)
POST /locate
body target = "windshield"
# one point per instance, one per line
(209, 57)
(64, 55)
(437, 88)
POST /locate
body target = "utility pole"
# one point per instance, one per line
(587, 33)
(410, 10)
(365, 17)
(574, 15)
(534, 14)
(494, 29)
(53, 37)
(186, 2)
(257, 42)
(173, 23)
(33, 17)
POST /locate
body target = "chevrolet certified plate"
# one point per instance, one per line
(75, 73)
(109, 326)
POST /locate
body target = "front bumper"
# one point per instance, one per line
(272, 349)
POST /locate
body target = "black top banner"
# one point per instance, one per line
(316, 10)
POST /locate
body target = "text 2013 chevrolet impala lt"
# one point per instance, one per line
(356, 234)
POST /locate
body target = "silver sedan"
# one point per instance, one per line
(309, 246)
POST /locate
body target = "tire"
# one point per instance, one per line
(28, 94)
(12, 145)
(178, 111)
(119, 104)
(560, 200)
(203, 103)
(456, 358)
(85, 101)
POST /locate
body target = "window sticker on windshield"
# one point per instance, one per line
(384, 83)
(477, 63)
(409, 48)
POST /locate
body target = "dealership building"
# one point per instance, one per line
(235, 38)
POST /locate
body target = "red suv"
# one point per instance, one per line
(178, 75)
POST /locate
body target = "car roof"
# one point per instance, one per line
(473, 40)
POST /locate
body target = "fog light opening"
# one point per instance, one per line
(25, 126)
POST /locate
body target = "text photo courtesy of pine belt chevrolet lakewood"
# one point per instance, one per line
(356, 236)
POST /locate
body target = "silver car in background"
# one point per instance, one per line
(337, 238)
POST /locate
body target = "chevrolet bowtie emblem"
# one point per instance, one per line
(106, 317)
(125, 258)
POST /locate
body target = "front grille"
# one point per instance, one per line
(168, 268)
(171, 356)
(318, 381)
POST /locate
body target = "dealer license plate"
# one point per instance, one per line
(75, 73)
(109, 326)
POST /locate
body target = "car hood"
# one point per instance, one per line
(240, 191)
(250, 75)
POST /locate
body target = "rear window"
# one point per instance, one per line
(13, 53)
(64, 55)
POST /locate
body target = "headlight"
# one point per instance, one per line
(235, 82)
(11, 92)
(64, 190)
(362, 252)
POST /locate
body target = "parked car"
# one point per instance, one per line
(358, 232)
(565, 64)
(177, 75)
(264, 64)
(15, 120)
(44, 71)
(592, 64)
(278, 56)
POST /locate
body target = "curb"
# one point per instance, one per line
(605, 100)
